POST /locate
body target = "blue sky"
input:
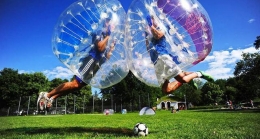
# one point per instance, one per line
(26, 28)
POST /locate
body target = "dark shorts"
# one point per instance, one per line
(79, 80)
(89, 67)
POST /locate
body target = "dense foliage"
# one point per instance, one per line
(257, 42)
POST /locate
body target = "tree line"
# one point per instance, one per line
(245, 85)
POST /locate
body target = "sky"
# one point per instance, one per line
(26, 28)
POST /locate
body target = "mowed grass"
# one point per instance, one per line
(207, 124)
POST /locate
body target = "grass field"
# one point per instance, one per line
(207, 124)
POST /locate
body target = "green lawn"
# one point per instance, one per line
(223, 124)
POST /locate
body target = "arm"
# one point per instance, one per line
(101, 45)
(112, 48)
(157, 34)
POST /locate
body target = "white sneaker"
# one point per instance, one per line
(41, 101)
(49, 104)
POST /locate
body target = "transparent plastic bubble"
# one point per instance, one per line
(187, 29)
(75, 34)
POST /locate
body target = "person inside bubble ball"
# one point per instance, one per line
(163, 61)
(91, 63)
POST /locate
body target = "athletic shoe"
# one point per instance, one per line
(193, 84)
(41, 101)
(49, 104)
(206, 76)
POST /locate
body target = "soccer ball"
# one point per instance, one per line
(140, 129)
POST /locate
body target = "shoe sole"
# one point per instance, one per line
(206, 76)
(38, 101)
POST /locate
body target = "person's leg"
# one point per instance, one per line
(183, 77)
(191, 82)
(168, 87)
(65, 89)
(45, 99)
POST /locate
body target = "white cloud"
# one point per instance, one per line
(251, 20)
(58, 72)
(222, 63)
(230, 48)
(24, 71)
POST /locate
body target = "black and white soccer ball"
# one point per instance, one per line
(140, 129)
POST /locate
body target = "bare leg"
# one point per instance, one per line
(168, 87)
(65, 89)
(183, 77)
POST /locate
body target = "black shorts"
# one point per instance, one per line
(79, 80)
(89, 67)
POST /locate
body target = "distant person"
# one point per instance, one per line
(173, 110)
(91, 63)
(230, 104)
(164, 62)
(227, 103)
(252, 103)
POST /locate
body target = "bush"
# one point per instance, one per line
(206, 107)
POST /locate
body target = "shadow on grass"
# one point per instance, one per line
(68, 130)
(230, 110)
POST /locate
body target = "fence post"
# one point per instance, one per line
(84, 104)
(121, 104)
(115, 107)
(74, 105)
(8, 111)
(28, 105)
(139, 103)
(19, 107)
(66, 104)
(102, 105)
(111, 101)
(56, 105)
(148, 100)
(93, 103)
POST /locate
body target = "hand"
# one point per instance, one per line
(149, 20)
(112, 46)
(115, 40)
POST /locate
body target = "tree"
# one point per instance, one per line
(14, 85)
(55, 83)
(9, 86)
(248, 76)
(188, 91)
(129, 90)
(211, 93)
(36, 82)
(257, 43)
(228, 86)
(221, 83)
